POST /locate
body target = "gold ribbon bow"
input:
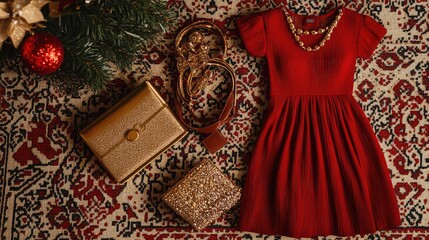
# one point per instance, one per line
(17, 17)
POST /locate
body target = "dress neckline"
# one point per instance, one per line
(326, 15)
(327, 30)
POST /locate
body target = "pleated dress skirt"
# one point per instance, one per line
(317, 170)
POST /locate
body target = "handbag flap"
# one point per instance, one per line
(104, 133)
(130, 156)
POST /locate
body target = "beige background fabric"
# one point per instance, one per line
(52, 186)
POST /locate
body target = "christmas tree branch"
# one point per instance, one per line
(98, 34)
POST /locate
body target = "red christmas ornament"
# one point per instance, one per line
(42, 53)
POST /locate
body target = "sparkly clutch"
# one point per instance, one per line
(203, 195)
(134, 131)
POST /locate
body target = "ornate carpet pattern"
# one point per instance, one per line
(52, 186)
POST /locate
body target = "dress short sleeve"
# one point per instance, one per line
(370, 35)
(252, 32)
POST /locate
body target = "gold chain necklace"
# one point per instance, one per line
(297, 31)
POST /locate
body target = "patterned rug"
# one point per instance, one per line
(52, 186)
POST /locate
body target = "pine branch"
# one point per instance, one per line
(81, 59)
(97, 34)
(85, 60)
(120, 28)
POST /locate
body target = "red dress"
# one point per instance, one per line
(317, 167)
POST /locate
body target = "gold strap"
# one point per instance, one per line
(193, 55)
(133, 134)
(194, 64)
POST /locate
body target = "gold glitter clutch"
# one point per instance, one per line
(133, 132)
(203, 195)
